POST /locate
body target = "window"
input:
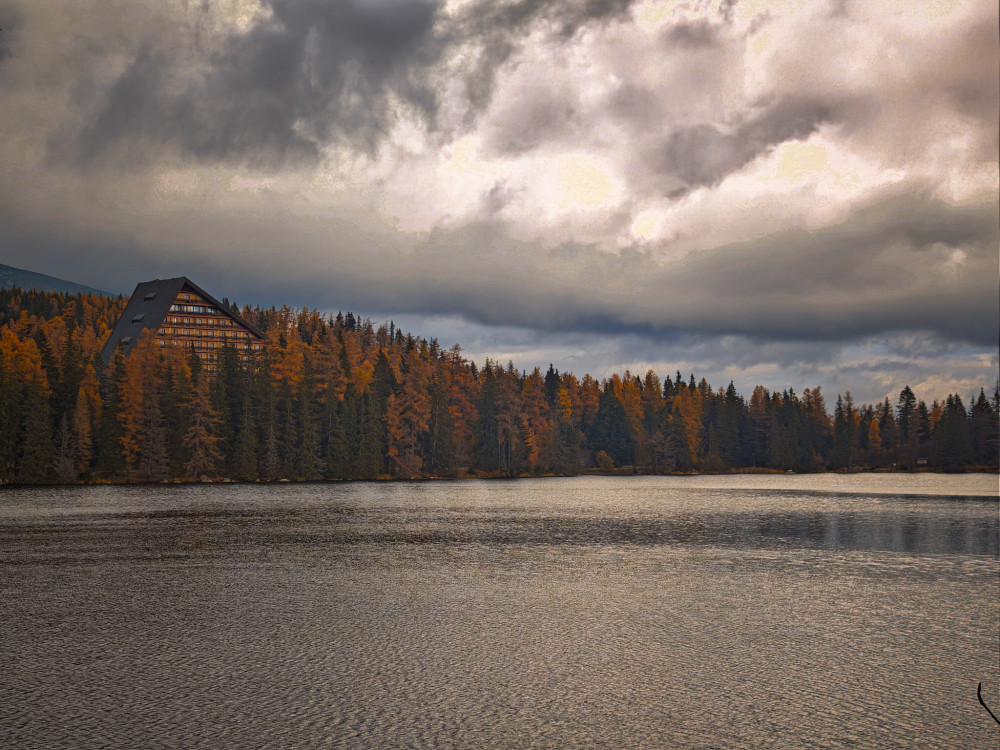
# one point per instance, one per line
(138, 318)
(150, 296)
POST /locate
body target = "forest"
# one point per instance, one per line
(334, 397)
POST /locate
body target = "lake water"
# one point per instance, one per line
(827, 611)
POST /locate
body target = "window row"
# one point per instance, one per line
(231, 335)
(209, 344)
(206, 309)
(218, 322)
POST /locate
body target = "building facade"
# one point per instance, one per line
(183, 316)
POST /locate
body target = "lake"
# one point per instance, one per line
(791, 611)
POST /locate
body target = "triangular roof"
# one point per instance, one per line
(148, 307)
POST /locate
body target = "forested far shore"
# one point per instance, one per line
(337, 397)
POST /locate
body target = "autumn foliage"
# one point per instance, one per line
(336, 397)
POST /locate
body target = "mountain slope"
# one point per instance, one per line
(11, 277)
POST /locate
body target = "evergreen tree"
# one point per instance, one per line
(177, 394)
(952, 441)
(10, 420)
(611, 430)
(370, 462)
(35, 461)
(64, 461)
(907, 420)
(982, 426)
(486, 446)
(308, 460)
(245, 458)
(551, 384)
(152, 462)
(271, 460)
(110, 460)
(889, 432)
(678, 445)
(204, 456)
(438, 448)
(338, 456)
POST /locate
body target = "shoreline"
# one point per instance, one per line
(623, 472)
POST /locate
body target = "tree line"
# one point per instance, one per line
(337, 397)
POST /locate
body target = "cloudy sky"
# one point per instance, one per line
(785, 192)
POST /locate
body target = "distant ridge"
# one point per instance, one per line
(11, 277)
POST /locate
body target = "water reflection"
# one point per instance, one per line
(221, 531)
(578, 614)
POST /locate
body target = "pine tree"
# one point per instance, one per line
(10, 418)
(907, 420)
(952, 441)
(64, 461)
(82, 431)
(35, 461)
(611, 430)
(271, 459)
(110, 460)
(486, 446)
(245, 459)
(152, 464)
(338, 456)
(982, 423)
(308, 456)
(201, 439)
(370, 462)
(438, 448)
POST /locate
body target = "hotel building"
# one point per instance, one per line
(183, 315)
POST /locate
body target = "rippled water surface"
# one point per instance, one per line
(599, 612)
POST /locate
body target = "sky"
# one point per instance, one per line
(789, 193)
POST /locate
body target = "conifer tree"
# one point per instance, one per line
(110, 459)
(10, 426)
(82, 431)
(982, 424)
(370, 463)
(486, 444)
(271, 459)
(611, 431)
(152, 464)
(245, 460)
(308, 457)
(438, 446)
(35, 461)
(64, 461)
(338, 456)
(204, 456)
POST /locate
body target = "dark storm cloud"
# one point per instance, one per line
(311, 73)
(704, 154)
(880, 271)
(537, 118)
(691, 35)
(883, 270)
(11, 19)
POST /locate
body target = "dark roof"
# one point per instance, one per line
(149, 305)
